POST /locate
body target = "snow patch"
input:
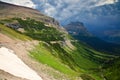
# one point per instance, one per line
(10, 63)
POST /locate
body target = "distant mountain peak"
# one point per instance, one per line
(77, 28)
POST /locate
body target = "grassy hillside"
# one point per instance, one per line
(53, 51)
(112, 69)
(56, 48)
(12, 33)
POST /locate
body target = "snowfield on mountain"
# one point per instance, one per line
(13, 65)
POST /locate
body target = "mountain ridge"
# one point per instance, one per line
(14, 10)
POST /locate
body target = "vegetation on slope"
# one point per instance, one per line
(112, 69)
(73, 63)
(81, 61)
(44, 55)
(39, 31)
(12, 33)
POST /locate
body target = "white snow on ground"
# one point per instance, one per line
(10, 63)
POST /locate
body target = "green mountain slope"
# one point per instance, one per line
(53, 48)
(112, 69)
(56, 48)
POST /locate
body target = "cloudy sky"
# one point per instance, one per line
(93, 13)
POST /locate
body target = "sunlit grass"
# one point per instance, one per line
(44, 56)
(12, 33)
